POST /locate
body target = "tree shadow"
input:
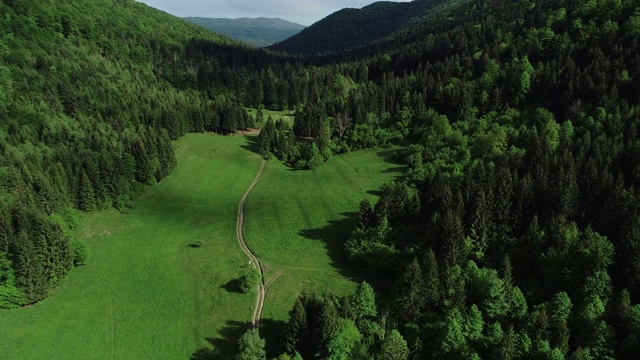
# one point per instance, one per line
(392, 156)
(396, 170)
(272, 331)
(377, 193)
(334, 234)
(251, 143)
(203, 354)
(226, 345)
(232, 286)
(395, 157)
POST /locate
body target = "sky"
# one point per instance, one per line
(304, 12)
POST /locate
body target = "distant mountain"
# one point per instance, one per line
(350, 28)
(258, 32)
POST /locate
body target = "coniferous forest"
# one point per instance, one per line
(514, 235)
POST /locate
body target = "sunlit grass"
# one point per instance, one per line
(145, 293)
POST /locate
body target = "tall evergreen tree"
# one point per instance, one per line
(411, 296)
(296, 328)
(433, 290)
(86, 197)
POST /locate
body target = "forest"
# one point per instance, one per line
(514, 235)
(349, 28)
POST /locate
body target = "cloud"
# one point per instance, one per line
(305, 12)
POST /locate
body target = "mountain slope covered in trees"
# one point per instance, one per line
(259, 32)
(89, 105)
(350, 28)
(515, 235)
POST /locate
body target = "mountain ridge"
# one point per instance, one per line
(259, 32)
(350, 28)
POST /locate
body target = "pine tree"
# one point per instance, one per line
(31, 276)
(266, 138)
(480, 226)
(341, 346)
(367, 215)
(559, 311)
(329, 321)
(323, 139)
(433, 289)
(259, 121)
(142, 162)
(455, 248)
(363, 302)
(6, 231)
(411, 296)
(166, 155)
(620, 314)
(296, 328)
(507, 349)
(86, 197)
(394, 347)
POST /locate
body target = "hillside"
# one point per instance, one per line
(259, 32)
(350, 28)
(147, 292)
(89, 108)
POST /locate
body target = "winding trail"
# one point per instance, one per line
(253, 259)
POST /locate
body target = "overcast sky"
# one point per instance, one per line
(303, 12)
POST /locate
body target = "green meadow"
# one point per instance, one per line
(146, 293)
(159, 282)
(297, 222)
(287, 115)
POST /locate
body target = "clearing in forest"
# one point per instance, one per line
(161, 279)
(148, 291)
(296, 223)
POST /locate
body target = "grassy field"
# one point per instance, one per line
(287, 115)
(297, 221)
(146, 294)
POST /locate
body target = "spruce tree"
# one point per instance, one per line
(296, 328)
(31, 275)
(433, 289)
(86, 197)
(394, 347)
(363, 302)
(410, 293)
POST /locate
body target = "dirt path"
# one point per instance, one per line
(257, 310)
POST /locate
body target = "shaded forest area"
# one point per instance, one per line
(349, 28)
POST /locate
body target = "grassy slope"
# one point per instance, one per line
(297, 221)
(276, 115)
(145, 293)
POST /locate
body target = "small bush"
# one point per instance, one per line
(80, 252)
(11, 297)
(248, 280)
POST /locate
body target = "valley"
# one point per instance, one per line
(434, 179)
(258, 32)
(160, 281)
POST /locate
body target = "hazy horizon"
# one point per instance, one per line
(303, 12)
